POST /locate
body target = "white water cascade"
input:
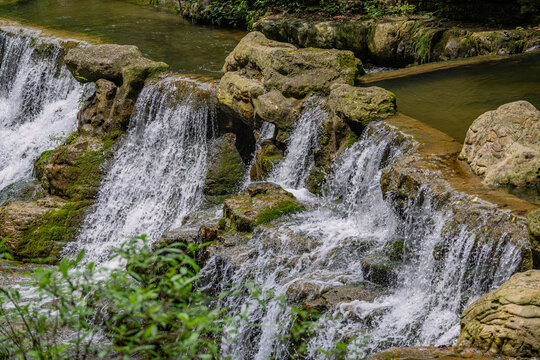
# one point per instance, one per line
(293, 170)
(157, 174)
(38, 103)
(325, 247)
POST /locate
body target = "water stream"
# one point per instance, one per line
(157, 174)
(38, 104)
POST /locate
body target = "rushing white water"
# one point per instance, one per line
(38, 103)
(157, 174)
(266, 132)
(324, 248)
(293, 170)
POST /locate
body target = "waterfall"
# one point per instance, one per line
(266, 132)
(38, 103)
(293, 170)
(324, 247)
(158, 172)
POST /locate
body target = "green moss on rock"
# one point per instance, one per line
(44, 240)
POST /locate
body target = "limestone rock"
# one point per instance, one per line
(261, 202)
(258, 65)
(265, 159)
(111, 62)
(360, 106)
(503, 145)
(507, 320)
(226, 169)
(428, 353)
(533, 224)
(17, 217)
(275, 108)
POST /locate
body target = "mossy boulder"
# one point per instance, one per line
(226, 170)
(74, 169)
(506, 321)
(503, 146)
(237, 93)
(359, 106)
(261, 203)
(275, 108)
(116, 63)
(378, 268)
(533, 224)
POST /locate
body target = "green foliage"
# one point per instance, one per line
(282, 208)
(377, 8)
(422, 47)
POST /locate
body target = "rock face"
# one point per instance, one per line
(398, 41)
(507, 320)
(503, 145)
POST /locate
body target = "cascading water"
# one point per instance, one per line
(325, 248)
(266, 132)
(293, 170)
(38, 103)
(157, 174)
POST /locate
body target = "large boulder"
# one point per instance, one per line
(109, 61)
(361, 105)
(503, 145)
(507, 320)
(258, 65)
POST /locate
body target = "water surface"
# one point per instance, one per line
(450, 100)
(163, 36)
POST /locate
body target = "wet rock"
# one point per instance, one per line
(275, 108)
(378, 268)
(265, 159)
(237, 93)
(261, 203)
(314, 296)
(503, 145)
(24, 190)
(507, 320)
(533, 224)
(428, 353)
(116, 63)
(360, 106)
(16, 217)
(226, 170)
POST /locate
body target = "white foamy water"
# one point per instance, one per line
(38, 104)
(157, 174)
(323, 248)
(293, 170)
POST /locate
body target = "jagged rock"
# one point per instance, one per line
(117, 63)
(503, 145)
(533, 224)
(261, 203)
(226, 169)
(360, 106)
(237, 93)
(507, 320)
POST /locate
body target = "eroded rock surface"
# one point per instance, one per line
(503, 145)
(507, 320)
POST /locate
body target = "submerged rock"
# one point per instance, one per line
(507, 320)
(503, 145)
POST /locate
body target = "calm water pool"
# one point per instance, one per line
(450, 100)
(186, 47)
